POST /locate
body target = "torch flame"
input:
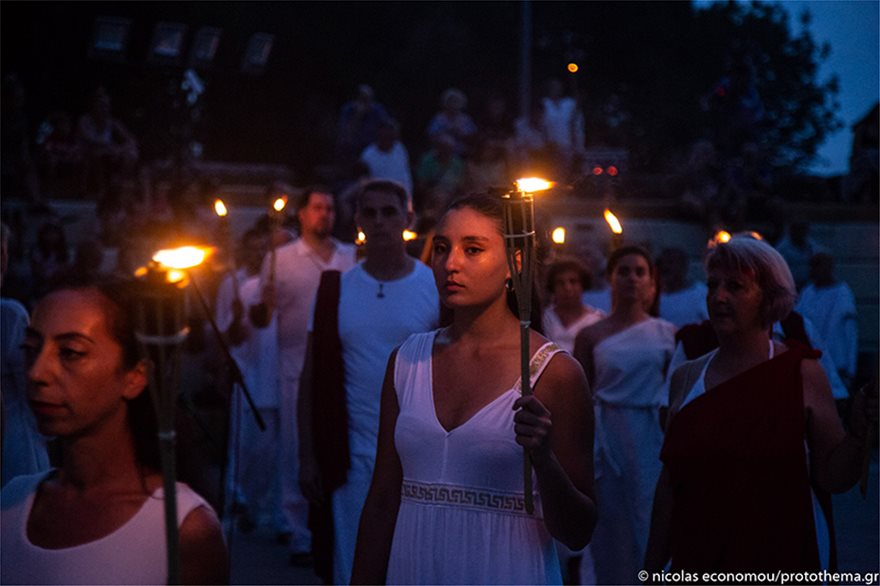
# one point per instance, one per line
(533, 184)
(280, 203)
(756, 235)
(558, 235)
(361, 238)
(722, 236)
(613, 222)
(184, 257)
(409, 235)
(220, 208)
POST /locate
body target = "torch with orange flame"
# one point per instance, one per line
(518, 208)
(161, 331)
(616, 229)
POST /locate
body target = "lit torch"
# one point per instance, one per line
(518, 206)
(225, 238)
(261, 314)
(161, 331)
(616, 229)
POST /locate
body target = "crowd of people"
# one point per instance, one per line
(673, 424)
(395, 424)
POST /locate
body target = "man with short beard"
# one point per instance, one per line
(297, 272)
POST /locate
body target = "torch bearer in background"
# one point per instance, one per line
(616, 230)
(261, 314)
(161, 331)
(225, 240)
(518, 206)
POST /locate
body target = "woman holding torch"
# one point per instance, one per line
(447, 502)
(98, 518)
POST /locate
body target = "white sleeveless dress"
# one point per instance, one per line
(462, 517)
(133, 554)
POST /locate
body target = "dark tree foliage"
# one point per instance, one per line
(660, 76)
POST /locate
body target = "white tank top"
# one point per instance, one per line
(133, 554)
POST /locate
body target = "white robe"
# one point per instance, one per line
(629, 389)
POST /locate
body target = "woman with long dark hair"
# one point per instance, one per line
(446, 505)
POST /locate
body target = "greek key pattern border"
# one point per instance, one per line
(458, 496)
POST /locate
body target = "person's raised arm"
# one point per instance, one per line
(835, 454)
(379, 515)
(555, 425)
(261, 314)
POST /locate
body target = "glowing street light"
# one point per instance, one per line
(572, 67)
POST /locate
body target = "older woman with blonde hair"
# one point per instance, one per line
(750, 425)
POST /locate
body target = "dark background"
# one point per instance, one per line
(644, 68)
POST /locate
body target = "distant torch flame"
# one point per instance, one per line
(722, 236)
(613, 222)
(558, 235)
(184, 257)
(409, 235)
(361, 238)
(280, 203)
(533, 184)
(220, 208)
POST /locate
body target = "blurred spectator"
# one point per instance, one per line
(23, 448)
(749, 184)
(797, 248)
(60, 155)
(496, 125)
(488, 167)
(18, 176)
(682, 301)
(111, 151)
(439, 176)
(563, 121)
(359, 123)
(50, 256)
(453, 121)
(529, 143)
(599, 293)
(830, 305)
(700, 182)
(387, 158)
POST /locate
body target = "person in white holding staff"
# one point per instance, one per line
(447, 504)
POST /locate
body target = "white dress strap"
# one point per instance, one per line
(538, 363)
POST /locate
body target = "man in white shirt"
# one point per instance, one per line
(288, 291)
(387, 158)
(253, 453)
(382, 301)
(831, 307)
(682, 301)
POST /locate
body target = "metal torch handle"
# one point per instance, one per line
(526, 383)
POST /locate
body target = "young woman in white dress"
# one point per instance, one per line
(446, 500)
